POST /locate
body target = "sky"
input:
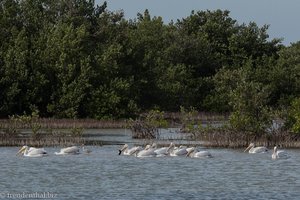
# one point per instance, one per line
(283, 16)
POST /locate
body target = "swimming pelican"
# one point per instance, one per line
(32, 152)
(194, 153)
(180, 151)
(85, 150)
(68, 151)
(253, 149)
(128, 152)
(163, 151)
(147, 152)
(279, 154)
(189, 149)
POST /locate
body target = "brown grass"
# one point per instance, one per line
(232, 139)
(199, 116)
(42, 142)
(47, 123)
(46, 137)
(142, 130)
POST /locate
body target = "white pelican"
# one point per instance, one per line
(189, 149)
(147, 152)
(163, 151)
(279, 154)
(128, 152)
(180, 151)
(32, 152)
(194, 153)
(85, 150)
(68, 151)
(253, 149)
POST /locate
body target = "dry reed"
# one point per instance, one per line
(232, 139)
(49, 123)
(142, 130)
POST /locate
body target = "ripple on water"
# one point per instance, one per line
(231, 174)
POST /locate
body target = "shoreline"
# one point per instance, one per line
(62, 132)
(49, 123)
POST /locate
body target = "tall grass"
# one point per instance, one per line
(221, 137)
(46, 123)
(28, 130)
(46, 137)
(142, 130)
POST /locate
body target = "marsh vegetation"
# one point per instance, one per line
(73, 60)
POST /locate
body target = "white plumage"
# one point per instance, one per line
(195, 153)
(178, 151)
(128, 152)
(147, 152)
(279, 154)
(73, 150)
(32, 152)
(163, 151)
(253, 149)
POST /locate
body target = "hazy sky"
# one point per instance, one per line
(283, 16)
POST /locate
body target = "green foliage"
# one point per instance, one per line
(29, 121)
(77, 131)
(188, 119)
(284, 76)
(156, 119)
(294, 117)
(12, 130)
(18, 122)
(73, 59)
(148, 127)
(246, 93)
(249, 100)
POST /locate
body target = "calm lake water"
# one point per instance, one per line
(230, 174)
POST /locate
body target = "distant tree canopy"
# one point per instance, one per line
(75, 59)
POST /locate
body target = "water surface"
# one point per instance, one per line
(231, 174)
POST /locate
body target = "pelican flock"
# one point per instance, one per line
(40, 152)
(128, 152)
(150, 151)
(171, 150)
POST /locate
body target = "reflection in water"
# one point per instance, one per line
(122, 136)
(103, 174)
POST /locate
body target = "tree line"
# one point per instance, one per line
(75, 59)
